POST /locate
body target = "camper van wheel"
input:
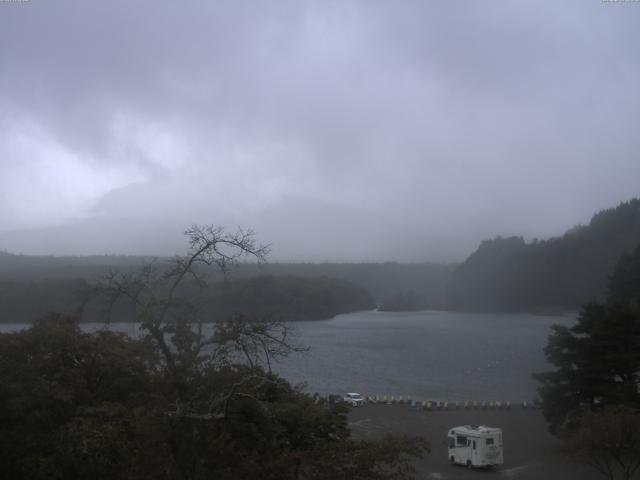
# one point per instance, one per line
(453, 460)
(469, 464)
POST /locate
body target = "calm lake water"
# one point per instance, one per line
(431, 355)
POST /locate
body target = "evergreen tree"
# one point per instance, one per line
(598, 359)
(624, 284)
(559, 273)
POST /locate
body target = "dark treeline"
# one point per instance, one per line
(502, 274)
(34, 268)
(32, 286)
(559, 273)
(277, 298)
(382, 280)
(25, 301)
(288, 298)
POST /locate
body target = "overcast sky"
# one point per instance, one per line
(338, 130)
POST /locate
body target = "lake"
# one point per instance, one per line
(429, 355)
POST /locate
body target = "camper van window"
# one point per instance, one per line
(474, 444)
(489, 441)
(452, 442)
(461, 440)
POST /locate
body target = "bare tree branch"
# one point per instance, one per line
(156, 293)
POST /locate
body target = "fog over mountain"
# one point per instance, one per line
(340, 131)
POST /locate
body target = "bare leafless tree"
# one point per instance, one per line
(257, 342)
(165, 298)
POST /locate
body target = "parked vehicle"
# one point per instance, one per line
(354, 399)
(475, 446)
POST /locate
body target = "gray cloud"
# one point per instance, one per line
(339, 130)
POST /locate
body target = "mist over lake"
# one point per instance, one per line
(429, 355)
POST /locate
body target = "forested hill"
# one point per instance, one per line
(265, 297)
(382, 280)
(35, 268)
(287, 298)
(559, 273)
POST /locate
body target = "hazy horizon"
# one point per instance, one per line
(181, 251)
(339, 131)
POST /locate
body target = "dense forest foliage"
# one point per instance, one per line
(105, 406)
(559, 273)
(288, 298)
(598, 358)
(26, 301)
(175, 403)
(592, 396)
(282, 298)
(382, 280)
(33, 268)
(31, 287)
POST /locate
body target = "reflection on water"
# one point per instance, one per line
(428, 355)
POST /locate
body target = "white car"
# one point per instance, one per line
(354, 399)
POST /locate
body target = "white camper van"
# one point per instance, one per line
(475, 446)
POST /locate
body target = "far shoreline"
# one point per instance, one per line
(536, 313)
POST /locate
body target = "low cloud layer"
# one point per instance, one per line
(338, 130)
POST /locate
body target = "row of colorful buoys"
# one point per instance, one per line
(468, 405)
(446, 405)
(390, 399)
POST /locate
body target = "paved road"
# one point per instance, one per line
(530, 452)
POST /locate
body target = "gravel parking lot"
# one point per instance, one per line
(530, 452)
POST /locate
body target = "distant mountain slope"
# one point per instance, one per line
(382, 280)
(26, 301)
(277, 298)
(563, 272)
(288, 298)
(33, 268)
(31, 286)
